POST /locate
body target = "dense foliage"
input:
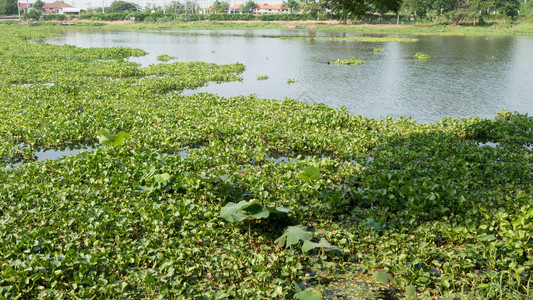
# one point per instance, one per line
(329, 198)
(457, 10)
(8, 7)
(121, 6)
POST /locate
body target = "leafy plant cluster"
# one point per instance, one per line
(421, 56)
(432, 210)
(370, 39)
(347, 61)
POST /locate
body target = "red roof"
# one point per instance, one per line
(56, 5)
(53, 5)
(270, 6)
(260, 6)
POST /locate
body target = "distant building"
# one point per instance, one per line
(266, 8)
(262, 9)
(56, 7)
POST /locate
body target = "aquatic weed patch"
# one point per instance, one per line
(368, 39)
(425, 206)
(421, 56)
(347, 61)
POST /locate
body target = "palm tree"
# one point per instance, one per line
(250, 6)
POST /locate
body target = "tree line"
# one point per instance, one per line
(454, 10)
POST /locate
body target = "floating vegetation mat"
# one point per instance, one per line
(421, 56)
(365, 208)
(370, 39)
(345, 61)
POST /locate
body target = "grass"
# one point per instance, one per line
(523, 28)
(498, 28)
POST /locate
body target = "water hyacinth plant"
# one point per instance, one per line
(421, 56)
(291, 80)
(350, 61)
(198, 202)
(165, 57)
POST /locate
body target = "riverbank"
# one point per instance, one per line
(501, 28)
(427, 29)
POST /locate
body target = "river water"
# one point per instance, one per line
(466, 76)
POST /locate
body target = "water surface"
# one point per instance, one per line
(472, 76)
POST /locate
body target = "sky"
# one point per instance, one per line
(143, 3)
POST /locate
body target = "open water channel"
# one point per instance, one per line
(466, 76)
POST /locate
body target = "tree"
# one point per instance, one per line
(458, 10)
(291, 5)
(357, 8)
(36, 12)
(38, 5)
(250, 5)
(220, 6)
(191, 7)
(121, 6)
(419, 8)
(176, 8)
(314, 7)
(8, 7)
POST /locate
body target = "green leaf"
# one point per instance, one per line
(308, 245)
(487, 238)
(370, 222)
(384, 277)
(310, 173)
(236, 212)
(306, 295)
(410, 291)
(230, 212)
(108, 139)
(293, 235)
(162, 179)
(256, 210)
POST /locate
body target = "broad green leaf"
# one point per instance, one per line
(410, 291)
(108, 139)
(310, 173)
(283, 210)
(306, 295)
(487, 238)
(162, 179)
(384, 277)
(230, 211)
(236, 212)
(293, 235)
(256, 210)
(308, 245)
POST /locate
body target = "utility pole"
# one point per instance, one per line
(18, 8)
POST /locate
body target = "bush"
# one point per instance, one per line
(105, 17)
(56, 17)
(231, 17)
(285, 17)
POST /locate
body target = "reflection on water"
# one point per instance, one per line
(53, 154)
(466, 76)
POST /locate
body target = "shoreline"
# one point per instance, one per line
(502, 29)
